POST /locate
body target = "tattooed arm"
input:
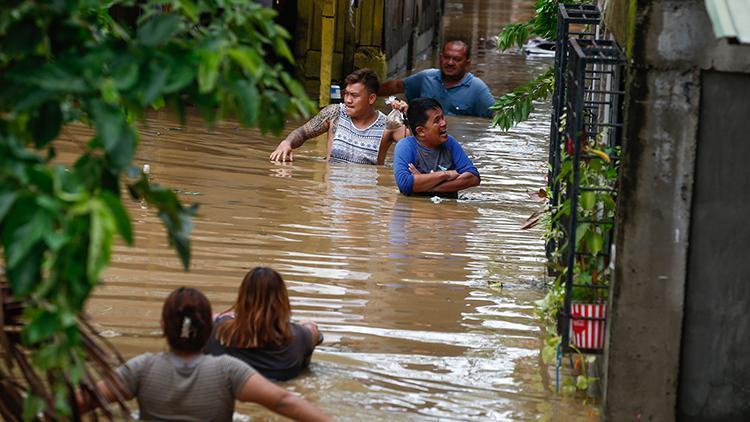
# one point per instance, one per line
(316, 126)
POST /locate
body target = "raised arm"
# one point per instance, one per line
(318, 125)
(391, 87)
(258, 389)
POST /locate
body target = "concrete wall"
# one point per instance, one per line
(714, 383)
(670, 45)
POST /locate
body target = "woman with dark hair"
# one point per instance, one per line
(187, 385)
(257, 328)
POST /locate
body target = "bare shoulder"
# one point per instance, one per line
(330, 111)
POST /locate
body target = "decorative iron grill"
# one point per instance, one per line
(594, 99)
(587, 114)
(568, 16)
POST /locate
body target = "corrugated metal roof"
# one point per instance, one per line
(730, 18)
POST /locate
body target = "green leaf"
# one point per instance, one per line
(120, 215)
(7, 198)
(595, 242)
(158, 29)
(581, 231)
(100, 240)
(46, 124)
(180, 75)
(248, 59)
(43, 325)
(282, 49)
(248, 102)
(155, 82)
(114, 133)
(32, 98)
(588, 200)
(26, 224)
(190, 9)
(208, 71)
(568, 390)
(32, 406)
(549, 354)
(582, 383)
(109, 122)
(179, 225)
(122, 155)
(28, 270)
(55, 77)
(176, 218)
(125, 75)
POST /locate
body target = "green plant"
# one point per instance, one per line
(595, 216)
(71, 61)
(515, 107)
(579, 381)
(595, 213)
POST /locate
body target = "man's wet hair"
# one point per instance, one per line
(366, 77)
(417, 112)
(463, 44)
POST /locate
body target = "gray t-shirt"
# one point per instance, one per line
(170, 388)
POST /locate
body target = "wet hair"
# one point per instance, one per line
(186, 320)
(366, 77)
(261, 313)
(417, 112)
(463, 44)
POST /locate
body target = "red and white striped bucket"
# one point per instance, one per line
(587, 333)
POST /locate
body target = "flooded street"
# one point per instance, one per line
(426, 307)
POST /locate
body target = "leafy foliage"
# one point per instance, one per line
(71, 61)
(516, 106)
(543, 25)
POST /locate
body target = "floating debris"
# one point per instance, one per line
(186, 192)
(109, 333)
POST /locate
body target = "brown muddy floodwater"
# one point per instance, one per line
(406, 291)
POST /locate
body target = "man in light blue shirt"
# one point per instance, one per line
(459, 92)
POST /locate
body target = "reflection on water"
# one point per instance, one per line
(400, 286)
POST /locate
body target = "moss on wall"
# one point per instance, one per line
(619, 16)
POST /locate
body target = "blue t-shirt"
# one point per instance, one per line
(448, 156)
(470, 97)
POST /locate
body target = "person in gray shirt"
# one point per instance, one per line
(184, 384)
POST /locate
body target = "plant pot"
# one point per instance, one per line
(587, 325)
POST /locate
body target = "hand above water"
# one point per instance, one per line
(397, 104)
(283, 152)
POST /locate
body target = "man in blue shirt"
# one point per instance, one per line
(431, 161)
(459, 92)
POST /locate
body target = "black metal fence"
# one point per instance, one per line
(587, 114)
(569, 17)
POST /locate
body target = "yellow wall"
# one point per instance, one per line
(342, 41)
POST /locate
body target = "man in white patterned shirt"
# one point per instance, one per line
(357, 132)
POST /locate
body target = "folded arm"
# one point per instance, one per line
(316, 126)
(463, 181)
(429, 182)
